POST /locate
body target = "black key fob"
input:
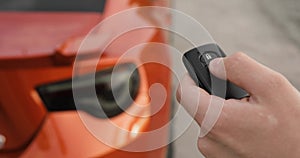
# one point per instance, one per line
(196, 62)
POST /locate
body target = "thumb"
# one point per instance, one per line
(246, 73)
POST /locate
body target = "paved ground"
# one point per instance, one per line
(267, 30)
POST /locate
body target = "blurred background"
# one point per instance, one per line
(266, 30)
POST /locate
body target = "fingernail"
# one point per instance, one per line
(214, 64)
(217, 68)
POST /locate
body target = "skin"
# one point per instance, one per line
(265, 125)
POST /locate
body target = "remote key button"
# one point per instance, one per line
(207, 57)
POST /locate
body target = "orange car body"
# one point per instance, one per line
(38, 48)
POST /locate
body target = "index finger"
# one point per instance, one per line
(204, 108)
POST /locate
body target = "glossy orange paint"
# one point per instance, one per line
(31, 56)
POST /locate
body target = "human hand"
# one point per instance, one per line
(265, 125)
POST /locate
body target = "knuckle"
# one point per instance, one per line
(276, 80)
(239, 55)
(235, 59)
(221, 123)
(220, 127)
(227, 121)
(214, 117)
(203, 147)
